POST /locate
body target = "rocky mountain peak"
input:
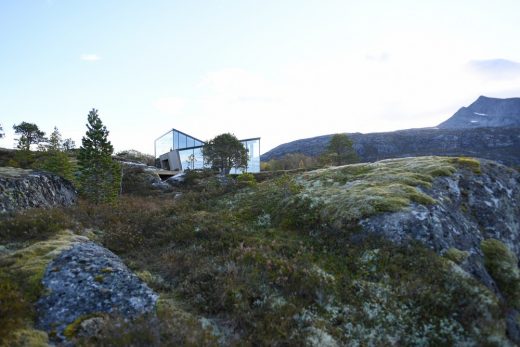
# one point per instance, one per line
(486, 112)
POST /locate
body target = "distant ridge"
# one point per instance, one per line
(495, 136)
(486, 112)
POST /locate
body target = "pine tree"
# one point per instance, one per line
(99, 175)
(29, 134)
(340, 151)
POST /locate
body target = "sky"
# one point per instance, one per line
(277, 69)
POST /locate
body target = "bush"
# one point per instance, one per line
(34, 224)
(246, 179)
(14, 309)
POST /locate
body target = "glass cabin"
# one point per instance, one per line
(178, 151)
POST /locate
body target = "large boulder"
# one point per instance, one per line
(22, 189)
(87, 281)
(140, 179)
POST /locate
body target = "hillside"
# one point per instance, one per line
(400, 252)
(499, 140)
(500, 144)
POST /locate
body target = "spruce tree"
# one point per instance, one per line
(99, 175)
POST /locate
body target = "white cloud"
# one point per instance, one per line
(412, 84)
(90, 57)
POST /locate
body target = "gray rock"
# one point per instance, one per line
(21, 189)
(177, 179)
(142, 179)
(91, 327)
(90, 279)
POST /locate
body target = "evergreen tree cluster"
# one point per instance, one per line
(56, 159)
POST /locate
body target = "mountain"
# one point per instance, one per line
(497, 137)
(486, 112)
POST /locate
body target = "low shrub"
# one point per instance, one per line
(34, 224)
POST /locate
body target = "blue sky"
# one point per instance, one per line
(281, 70)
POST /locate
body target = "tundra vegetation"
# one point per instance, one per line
(271, 261)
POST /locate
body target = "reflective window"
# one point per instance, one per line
(175, 140)
(182, 141)
(164, 144)
(191, 142)
(199, 159)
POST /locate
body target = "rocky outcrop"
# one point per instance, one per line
(85, 281)
(470, 207)
(141, 179)
(21, 189)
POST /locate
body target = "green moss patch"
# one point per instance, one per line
(357, 191)
(20, 286)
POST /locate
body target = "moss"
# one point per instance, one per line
(357, 191)
(27, 265)
(456, 255)
(20, 283)
(502, 265)
(99, 278)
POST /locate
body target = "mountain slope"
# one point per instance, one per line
(500, 144)
(486, 112)
(489, 128)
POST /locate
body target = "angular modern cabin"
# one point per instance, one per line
(178, 151)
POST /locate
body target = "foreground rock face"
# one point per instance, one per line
(88, 279)
(470, 207)
(21, 189)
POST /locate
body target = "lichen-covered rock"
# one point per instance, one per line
(21, 189)
(471, 205)
(89, 279)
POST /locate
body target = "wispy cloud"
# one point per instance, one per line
(496, 68)
(90, 57)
